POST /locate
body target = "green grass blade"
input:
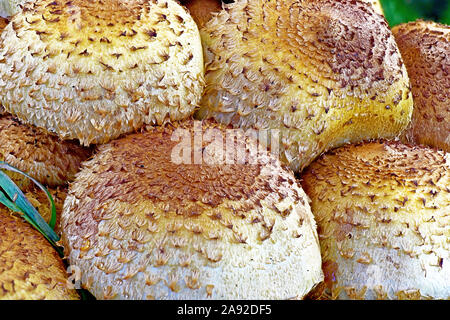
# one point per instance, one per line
(52, 222)
(19, 199)
(8, 203)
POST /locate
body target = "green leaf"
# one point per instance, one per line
(400, 11)
(445, 19)
(13, 198)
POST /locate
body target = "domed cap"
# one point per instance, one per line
(43, 156)
(141, 224)
(92, 70)
(425, 47)
(322, 72)
(30, 268)
(382, 210)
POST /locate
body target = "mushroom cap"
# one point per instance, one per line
(202, 10)
(45, 157)
(321, 72)
(140, 224)
(30, 268)
(383, 215)
(425, 48)
(376, 5)
(92, 70)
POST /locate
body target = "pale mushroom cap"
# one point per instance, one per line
(141, 226)
(45, 157)
(30, 268)
(322, 72)
(425, 48)
(202, 10)
(383, 215)
(92, 70)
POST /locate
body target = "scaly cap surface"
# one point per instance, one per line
(322, 72)
(92, 70)
(383, 215)
(140, 226)
(43, 156)
(30, 268)
(425, 48)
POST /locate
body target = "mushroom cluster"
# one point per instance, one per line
(246, 149)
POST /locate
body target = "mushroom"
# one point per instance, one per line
(318, 73)
(376, 6)
(202, 10)
(425, 48)
(382, 210)
(93, 70)
(164, 218)
(43, 156)
(3, 24)
(30, 268)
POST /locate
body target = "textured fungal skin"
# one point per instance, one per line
(322, 72)
(142, 227)
(202, 10)
(376, 5)
(45, 157)
(425, 48)
(30, 268)
(383, 215)
(92, 70)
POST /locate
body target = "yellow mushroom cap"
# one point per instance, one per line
(383, 215)
(30, 268)
(92, 70)
(140, 225)
(43, 156)
(322, 72)
(425, 48)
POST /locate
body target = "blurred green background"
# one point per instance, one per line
(400, 11)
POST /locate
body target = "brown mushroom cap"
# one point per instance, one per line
(322, 72)
(383, 215)
(425, 47)
(140, 225)
(43, 156)
(92, 70)
(30, 268)
(202, 10)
